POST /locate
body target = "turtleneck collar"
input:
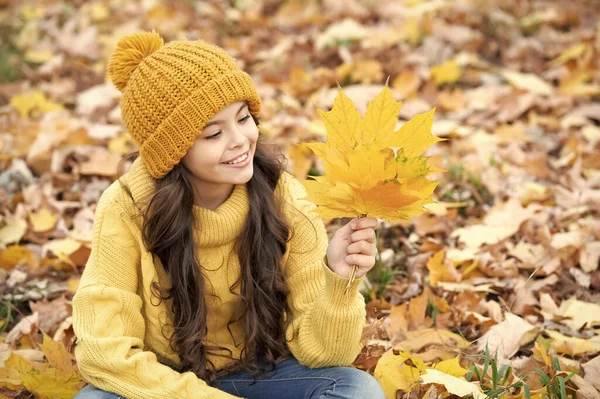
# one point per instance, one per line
(216, 227)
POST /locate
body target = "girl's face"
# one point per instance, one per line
(230, 133)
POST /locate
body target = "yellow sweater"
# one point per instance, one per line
(120, 347)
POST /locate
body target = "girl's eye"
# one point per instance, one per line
(217, 134)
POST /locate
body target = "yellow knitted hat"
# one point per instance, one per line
(171, 91)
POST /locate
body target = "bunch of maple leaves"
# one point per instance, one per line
(363, 173)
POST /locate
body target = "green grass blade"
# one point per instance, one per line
(563, 387)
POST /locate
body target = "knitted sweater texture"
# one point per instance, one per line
(120, 346)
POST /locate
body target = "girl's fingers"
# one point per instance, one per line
(365, 223)
(364, 234)
(363, 248)
(362, 261)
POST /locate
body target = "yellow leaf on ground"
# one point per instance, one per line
(448, 72)
(501, 222)
(571, 53)
(440, 270)
(9, 376)
(58, 357)
(571, 345)
(580, 313)
(398, 372)
(38, 56)
(73, 284)
(34, 100)
(65, 247)
(43, 220)
(43, 379)
(527, 81)
(577, 84)
(451, 367)
(346, 30)
(30, 12)
(541, 349)
(454, 385)
(47, 384)
(412, 31)
(14, 255)
(406, 83)
(367, 71)
(12, 232)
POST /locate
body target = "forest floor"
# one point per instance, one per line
(494, 292)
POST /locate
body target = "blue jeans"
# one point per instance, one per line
(289, 380)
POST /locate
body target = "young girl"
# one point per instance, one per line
(209, 275)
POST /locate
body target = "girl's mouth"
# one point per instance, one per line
(239, 162)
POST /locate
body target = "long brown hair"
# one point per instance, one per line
(167, 232)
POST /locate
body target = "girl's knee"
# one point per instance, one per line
(355, 383)
(369, 387)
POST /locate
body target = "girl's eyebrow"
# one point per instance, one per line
(216, 122)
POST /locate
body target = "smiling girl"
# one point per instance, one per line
(210, 276)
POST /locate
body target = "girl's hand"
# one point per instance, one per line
(353, 246)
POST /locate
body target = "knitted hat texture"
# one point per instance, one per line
(170, 91)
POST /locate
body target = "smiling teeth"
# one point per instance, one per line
(240, 159)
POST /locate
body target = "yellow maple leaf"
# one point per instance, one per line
(363, 172)
(58, 357)
(398, 370)
(415, 135)
(451, 367)
(55, 379)
(440, 270)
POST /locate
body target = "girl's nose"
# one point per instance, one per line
(239, 138)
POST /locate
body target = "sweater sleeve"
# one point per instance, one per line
(324, 330)
(109, 325)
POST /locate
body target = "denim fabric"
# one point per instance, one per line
(289, 380)
(91, 392)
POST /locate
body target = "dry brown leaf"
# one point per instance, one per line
(507, 337)
(27, 325)
(416, 340)
(592, 372)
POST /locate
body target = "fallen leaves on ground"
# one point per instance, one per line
(500, 274)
